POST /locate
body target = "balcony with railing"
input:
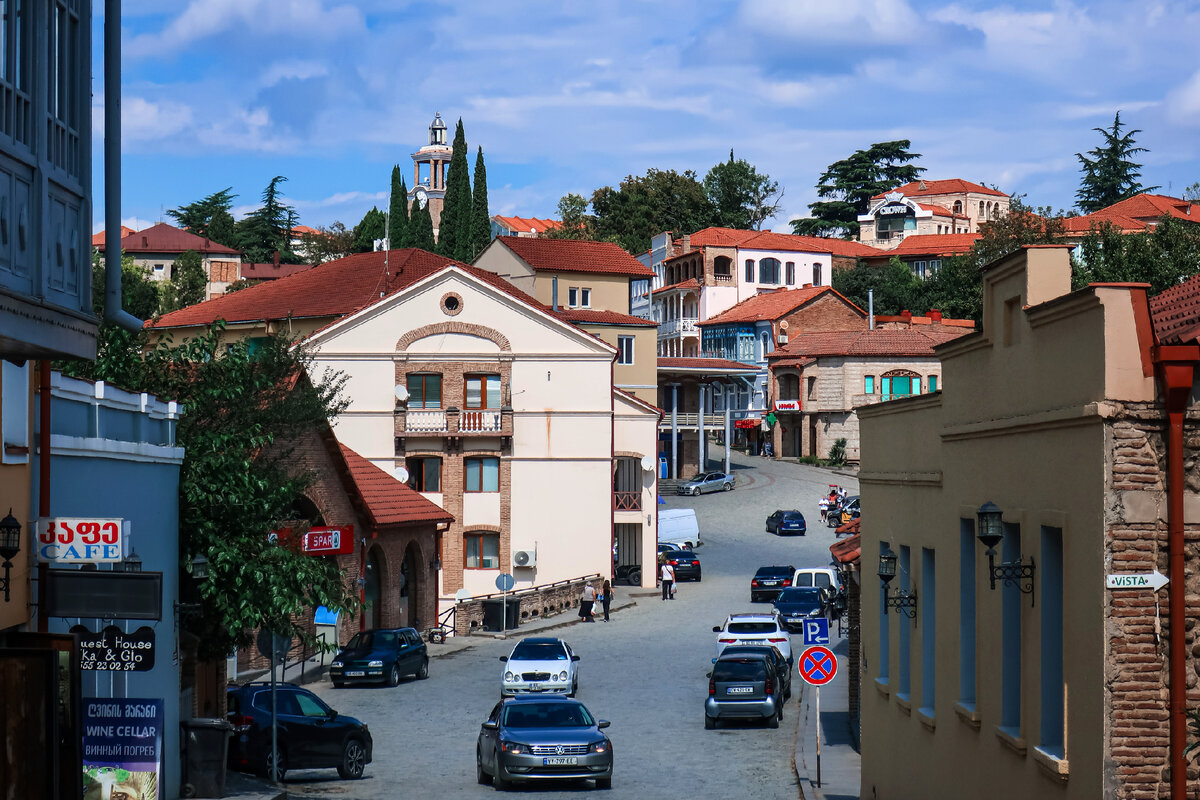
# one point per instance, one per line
(454, 422)
(680, 326)
(627, 501)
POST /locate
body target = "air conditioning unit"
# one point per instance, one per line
(525, 558)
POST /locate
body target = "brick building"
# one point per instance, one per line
(1066, 431)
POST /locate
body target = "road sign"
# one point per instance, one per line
(816, 631)
(1144, 580)
(505, 582)
(818, 665)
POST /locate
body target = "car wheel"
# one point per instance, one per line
(480, 773)
(393, 676)
(773, 721)
(695, 492)
(787, 693)
(271, 770)
(498, 780)
(354, 760)
(635, 577)
(603, 783)
(574, 689)
(339, 685)
(423, 672)
(709, 723)
(698, 577)
(727, 487)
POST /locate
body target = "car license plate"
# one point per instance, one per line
(739, 690)
(535, 687)
(356, 673)
(770, 583)
(560, 761)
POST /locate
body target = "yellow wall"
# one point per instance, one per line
(639, 378)
(16, 493)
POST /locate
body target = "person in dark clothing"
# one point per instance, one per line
(586, 601)
(606, 598)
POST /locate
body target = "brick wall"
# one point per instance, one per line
(827, 313)
(535, 604)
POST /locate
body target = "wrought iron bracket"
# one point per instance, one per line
(1014, 573)
(904, 601)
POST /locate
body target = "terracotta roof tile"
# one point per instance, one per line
(785, 242)
(587, 316)
(932, 244)
(714, 365)
(387, 500)
(98, 237)
(164, 238)
(575, 255)
(941, 211)
(848, 550)
(527, 224)
(690, 283)
(270, 270)
(949, 186)
(720, 237)
(1175, 313)
(773, 305)
(867, 343)
(1137, 213)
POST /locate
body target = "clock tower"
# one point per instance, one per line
(429, 172)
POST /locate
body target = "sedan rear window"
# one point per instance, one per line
(752, 627)
(539, 652)
(546, 715)
(739, 670)
(774, 572)
(793, 515)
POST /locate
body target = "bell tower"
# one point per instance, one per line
(429, 171)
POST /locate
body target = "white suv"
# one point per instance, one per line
(754, 628)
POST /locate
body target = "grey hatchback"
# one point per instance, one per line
(744, 686)
(540, 737)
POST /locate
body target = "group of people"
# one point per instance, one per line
(589, 598)
(831, 503)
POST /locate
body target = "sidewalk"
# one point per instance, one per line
(839, 763)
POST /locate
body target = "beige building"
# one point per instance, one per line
(929, 208)
(1040, 671)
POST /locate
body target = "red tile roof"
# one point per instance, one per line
(164, 238)
(785, 242)
(774, 305)
(941, 211)
(715, 366)
(720, 237)
(98, 237)
(332, 290)
(300, 230)
(527, 224)
(587, 316)
(1175, 313)
(879, 342)
(690, 283)
(575, 255)
(1137, 213)
(950, 186)
(270, 270)
(387, 500)
(932, 244)
(848, 550)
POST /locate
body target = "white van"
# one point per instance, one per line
(678, 526)
(821, 577)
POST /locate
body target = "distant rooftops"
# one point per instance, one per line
(575, 255)
(949, 186)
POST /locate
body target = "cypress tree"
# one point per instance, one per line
(454, 237)
(397, 211)
(481, 220)
(420, 228)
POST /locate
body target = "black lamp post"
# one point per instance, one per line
(1011, 573)
(199, 573)
(10, 545)
(904, 601)
(132, 562)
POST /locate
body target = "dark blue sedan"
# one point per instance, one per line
(797, 604)
(380, 656)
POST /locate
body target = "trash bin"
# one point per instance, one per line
(494, 615)
(206, 747)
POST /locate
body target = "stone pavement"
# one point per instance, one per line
(840, 768)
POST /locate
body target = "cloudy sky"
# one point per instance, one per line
(567, 97)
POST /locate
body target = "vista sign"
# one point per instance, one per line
(1146, 580)
(79, 540)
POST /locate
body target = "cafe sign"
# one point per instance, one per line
(80, 540)
(113, 650)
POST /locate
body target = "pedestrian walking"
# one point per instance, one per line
(667, 573)
(606, 598)
(586, 600)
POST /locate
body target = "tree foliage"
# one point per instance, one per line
(741, 197)
(209, 217)
(1162, 257)
(481, 219)
(1110, 175)
(420, 228)
(847, 187)
(454, 228)
(372, 226)
(327, 243)
(268, 228)
(1020, 226)
(189, 282)
(660, 200)
(576, 222)
(397, 211)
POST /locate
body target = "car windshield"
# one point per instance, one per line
(811, 597)
(774, 572)
(740, 670)
(697, 478)
(538, 652)
(546, 715)
(366, 639)
(752, 627)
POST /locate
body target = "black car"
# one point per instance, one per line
(768, 582)
(311, 735)
(380, 656)
(849, 509)
(797, 604)
(540, 737)
(783, 669)
(787, 522)
(686, 564)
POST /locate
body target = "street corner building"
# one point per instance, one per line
(1019, 640)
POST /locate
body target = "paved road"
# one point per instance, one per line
(645, 672)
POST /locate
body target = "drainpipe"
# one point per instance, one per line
(43, 621)
(1176, 370)
(870, 309)
(554, 293)
(113, 313)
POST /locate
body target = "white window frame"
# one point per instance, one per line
(573, 297)
(585, 298)
(625, 349)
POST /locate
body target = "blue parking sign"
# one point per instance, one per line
(816, 631)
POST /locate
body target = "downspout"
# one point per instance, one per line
(43, 621)
(113, 313)
(612, 459)
(1176, 371)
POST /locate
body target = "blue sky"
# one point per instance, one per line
(568, 97)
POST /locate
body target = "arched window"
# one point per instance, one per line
(900, 383)
(766, 344)
(722, 268)
(981, 209)
(768, 271)
(816, 274)
(958, 206)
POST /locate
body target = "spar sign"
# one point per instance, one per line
(80, 540)
(328, 541)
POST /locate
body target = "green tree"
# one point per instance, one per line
(372, 226)
(222, 229)
(660, 200)
(956, 289)
(420, 228)
(454, 229)
(327, 243)
(481, 219)
(895, 287)
(847, 187)
(1192, 193)
(741, 197)
(269, 227)
(1110, 175)
(1162, 257)
(197, 217)
(576, 222)
(117, 348)
(397, 211)
(1022, 225)
(189, 282)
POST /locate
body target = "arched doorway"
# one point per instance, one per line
(371, 589)
(410, 589)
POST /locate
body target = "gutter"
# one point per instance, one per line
(113, 312)
(1176, 365)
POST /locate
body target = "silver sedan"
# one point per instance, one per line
(707, 482)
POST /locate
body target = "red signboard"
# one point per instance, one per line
(329, 541)
(787, 405)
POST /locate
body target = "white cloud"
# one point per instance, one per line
(293, 69)
(854, 21)
(143, 120)
(1183, 102)
(1105, 109)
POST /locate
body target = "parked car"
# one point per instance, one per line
(540, 664)
(678, 527)
(795, 605)
(754, 628)
(820, 577)
(782, 668)
(380, 656)
(848, 510)
(787, 522)
(311, 735)
(542, 737)
(705, 482)
(769, 581)
(744, 686)
(686, 564)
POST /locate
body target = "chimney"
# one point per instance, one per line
(906, 315)
(934, 315)
(807, 286)
(687, 243)
(275, 259)
(554, 293)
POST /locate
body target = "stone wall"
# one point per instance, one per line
(535, 604)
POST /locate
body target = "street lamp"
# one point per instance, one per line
(10, 545)
(1011, 573)
(199, 573)
(905, 601)
(132, 562)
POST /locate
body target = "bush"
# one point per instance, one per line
(837, 453)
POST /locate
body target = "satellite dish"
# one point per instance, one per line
(401, 474)
(647, 463)
(461, 595)
(401, 393)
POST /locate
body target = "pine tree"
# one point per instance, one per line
(189, 283)
(397, 211)
(1110, 176)
(420, 226)
(481, 220)
(847, 187)
(454, 237)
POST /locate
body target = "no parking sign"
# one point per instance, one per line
(818, 666)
